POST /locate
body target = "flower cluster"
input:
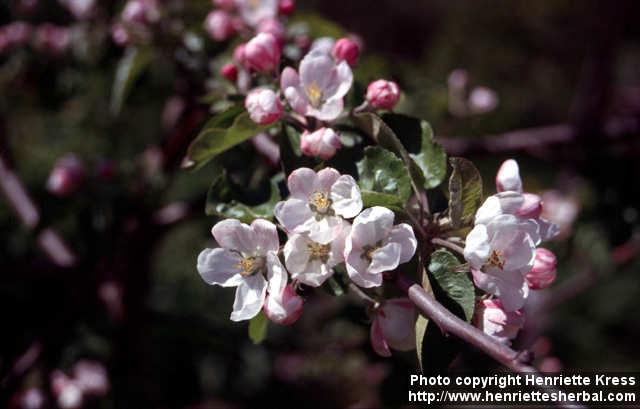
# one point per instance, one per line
(502, 250)
(316, 218)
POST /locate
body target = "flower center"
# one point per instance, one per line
(250, 265)
(320, 202)
(369, 251)
(314, 93)
(496, 259)
(319, 251)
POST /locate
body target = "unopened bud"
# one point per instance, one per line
(508, 177)
(262, 52)
(531, 206)
(494, 320)
(263, 105)
(230, 72)
(347, 50)
(66, 176)
(383, 94)
(219, 25)
(482, 100)
(286, 7)
(285, 308)
(274, 27)
(543, 273)
(322, 143)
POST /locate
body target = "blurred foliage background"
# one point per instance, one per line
(135, 301)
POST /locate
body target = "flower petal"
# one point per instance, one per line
(477, 247)
(296, 254)
(378, 343)
(510, 288)
(276, 274)
(325, 229)
(295, 215)
(301, 183)
(250, 296)
(404, 236)
(397, 321)
(386, 258)
(357, 268)
(234, 235)
(326, 178)
(315, 274)
(265, 236)
(219, 266)
(371, 226)
(345, 194)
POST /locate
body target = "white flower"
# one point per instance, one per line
(318, 203)
(254, 11)
(492, 318)
(246, 255)
(312, 263)
(375, 245)
(319, 88)
(500, 254)
(508, 177)
(394, 327)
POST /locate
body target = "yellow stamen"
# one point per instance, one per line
(314, 93)
(250, 265)
(319, 251)
(320, 202)
(496, 259)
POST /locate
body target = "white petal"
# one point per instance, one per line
(295, 215)
(548, 230)
(265, 236)
(357, 269)
(276, 274)
(325, 229)
(249, 297)
(343, 78)
(508, 177)
(477, 247)
(316, 68)
(510, 288)
(219, 266)
(386, 258)
(297, 100)
(330, 110)
(326, 178)
(301, 183)
(404, 236)
(315, 274)
(371, 226)
(296, 254)
(345, 194)
(501, 203)
(231, 234)
(336, 256)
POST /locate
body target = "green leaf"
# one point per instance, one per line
(130, 67)
(383, 172)
(417, 137)
(258, 328)
(465, 192)
(370, 199)
(221, 201)
(456, 285)
(222, 132)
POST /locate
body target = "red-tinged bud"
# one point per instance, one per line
(274, 27)
(383, 94)
(228, 5)
(262, 53)
(322, 143)
(347, 50)
(81, 9)
(120, 35)
(264, 106)
(543, 273)
(66, 176)
(286, 7)
(285, 308)
(230, 72)
(52, 39)
(508, 177)
(491, 317)
(143, 12)
(239, 55)
(531, 206)
(393, 327)
(219, 24)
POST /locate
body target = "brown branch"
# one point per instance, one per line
(450, 324)
(448, 244)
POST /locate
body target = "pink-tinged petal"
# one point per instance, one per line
(289, 78)
(297, 100)
(328, 111)
(219, 266)
(294, 214)
(531, 206)
(386, 258)
(346, 197)
(502, 203)
(265, 236)
(296, 254)
(276, 274)
(378, 343)
(325, 229)
(357, 269)
(231, 234)
(397, 320)
(326, 178)
(343, 78)
(404, 236)
(250, 296)
(548, 230)
(543, 273)
(509, 287)
(316, 68)
(302, 182)
(283, 308)
(336, 256)
(315, 274)
(477, 247)
(508, 177)
(371, 226)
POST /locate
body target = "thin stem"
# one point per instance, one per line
(362, 295)
(448, 244)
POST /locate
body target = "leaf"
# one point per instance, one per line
(465, 192)
(130, 67)
(258, 328)
(221, 201)
(222, 132)
(422, 322)
(456, 285)
(383, 172)
(370, 199)
(417, 137)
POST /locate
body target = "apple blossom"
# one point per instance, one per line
(230, 72)
(52, 38)
(67, 392)
(239, 56)
(508, 177)
(262, 53)
(141, 12)
(319, 87)
(274, 27)
(482, 100)
(81, 9)
(247, 254)
(312, 263)
(284, 307)
(91, 377)
(500, 253)
(322, 143)
(393, 326)
(263, 105)
(543, 273)
(219, 25)
(286, 7)
(254, 11)
(318, 203)
(494, 320)
(375, 245)
(66, 176)
(383, 94)
(531, 207)
(323, 45)
(347, 50)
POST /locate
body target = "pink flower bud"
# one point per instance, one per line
(286, 7)
(482, 100)
(239, 55)
(322, 143)
(508, 177)
(230, 72)
(272, 26)
(32, 398)
(285, 308)
(81, 9)
(52, 39)
(264, 106)
(219, 25)
(262, 52)
(543, 273)
(18, 33)
(67, 393)
(228, 5)
(383, 94)
(531, 206)
(394, 327)
(120, 35)
(491, 317)
(142, 12)
(347, 50)
(66, 176)
(91, 377)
